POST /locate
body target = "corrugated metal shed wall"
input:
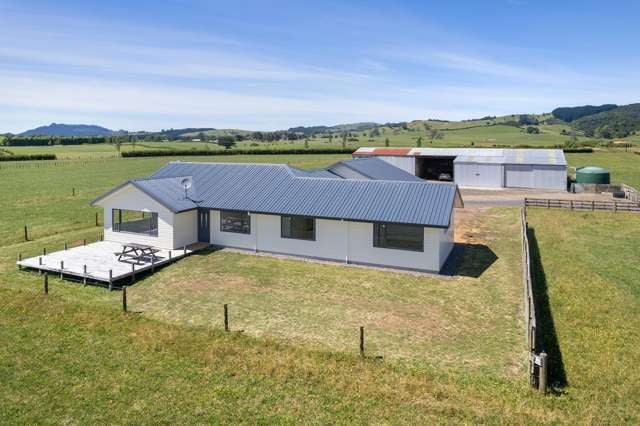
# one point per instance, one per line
(408, 164)
(493, 168)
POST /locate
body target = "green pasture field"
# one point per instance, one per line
(43, 199)
(453, 348)
(588, 266)
(624, 166)
(460, 133)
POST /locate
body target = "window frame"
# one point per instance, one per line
(116, 225)
(222, 212)
(378, 244)
(292, 217)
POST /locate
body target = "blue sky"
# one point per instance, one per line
(275, 64)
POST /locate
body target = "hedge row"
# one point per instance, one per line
(31, 157)
(578, 149)
(176, 153)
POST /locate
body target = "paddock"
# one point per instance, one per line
(98, 263)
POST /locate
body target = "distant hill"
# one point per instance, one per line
(340, 128)
(176, 133)
(55, 129)
(569, 114)
(619, 122)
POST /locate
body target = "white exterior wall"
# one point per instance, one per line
(408, 164)
(231, 239)
(447, 240)
(130, 198)
(341, 241)
(185, 228)
(480, 175)
(361, 250)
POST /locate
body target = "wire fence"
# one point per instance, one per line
(537, 361)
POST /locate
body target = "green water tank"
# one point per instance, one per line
(593, 175)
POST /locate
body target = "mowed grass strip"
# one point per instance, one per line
(590, 267)
(63, 362)
(460, 322)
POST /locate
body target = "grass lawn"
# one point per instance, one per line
(590, 264)
(461, 323)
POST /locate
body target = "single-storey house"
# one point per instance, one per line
(274, 208)
(479, 167)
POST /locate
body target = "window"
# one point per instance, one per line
(239, 222)
(401, 237)
(136, 222)
(300, 228)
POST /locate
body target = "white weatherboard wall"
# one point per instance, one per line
(336, 240)
(185, 228)
(174, 230)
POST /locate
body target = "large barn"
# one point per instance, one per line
(479, 167)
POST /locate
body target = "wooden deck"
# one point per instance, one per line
(98, 263)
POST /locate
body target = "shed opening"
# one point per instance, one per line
(435, 168)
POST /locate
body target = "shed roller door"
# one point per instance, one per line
(519, 176)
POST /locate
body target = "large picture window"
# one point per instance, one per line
(239, 222)
(401, 237)
(298, 227)
(135, 222)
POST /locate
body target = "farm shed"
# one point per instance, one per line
(282, 210)
(479, 167)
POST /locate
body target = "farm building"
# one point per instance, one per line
(406, 224)
(479, 167)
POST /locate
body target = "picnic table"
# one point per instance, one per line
(136, 251)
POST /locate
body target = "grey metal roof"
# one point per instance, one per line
(277, 189)
(375, 168)
(535, 156)
(319, 173)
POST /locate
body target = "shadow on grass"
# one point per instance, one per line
(469, 260)
(546, 336)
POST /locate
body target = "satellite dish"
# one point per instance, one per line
(186, 183)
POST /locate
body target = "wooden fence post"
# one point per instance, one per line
(84, 242)
(97, 219)
(362, 341)
(19, 260)
(26, 233)
(124, 298)
(73, 192)
(84, 276)
(184, 249)
(169, 254)
(110, 279)
(46, 283)
(226, 317)
(44, 251)
(542, 373)
(66, 246)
